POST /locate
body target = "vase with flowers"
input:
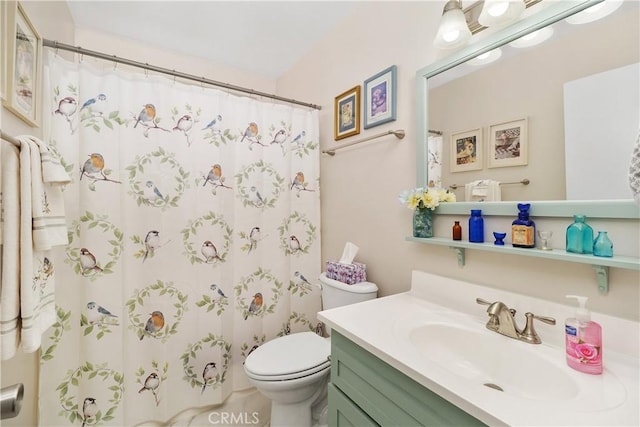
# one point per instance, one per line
(424, 201)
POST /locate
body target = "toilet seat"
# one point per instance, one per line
(289, 357)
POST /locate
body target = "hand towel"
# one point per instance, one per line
(37, 297)
(10, 290)
(484, 190)
(52, 170)
(47, 180)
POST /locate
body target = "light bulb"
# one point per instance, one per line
(498, 9)
(533, 38)
(486, 58)
(453, 30)
(595, 12)
(500, 12)
(451, 35)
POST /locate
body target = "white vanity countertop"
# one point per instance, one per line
(382, 327)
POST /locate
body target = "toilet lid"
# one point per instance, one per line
(289, 354)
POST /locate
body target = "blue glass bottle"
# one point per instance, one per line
(476, 226)
(523, 229)
(603, 246)
(579, 236)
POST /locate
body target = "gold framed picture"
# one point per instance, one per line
(347, 114)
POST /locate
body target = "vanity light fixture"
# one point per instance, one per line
(453, 30)
(533, 38)
(500, 12)
(486, 58)
(595, 12)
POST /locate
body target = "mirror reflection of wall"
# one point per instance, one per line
(529, 84)
(594, 151)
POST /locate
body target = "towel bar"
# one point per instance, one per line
(523, 182)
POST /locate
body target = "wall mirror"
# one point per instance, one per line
(457, 99)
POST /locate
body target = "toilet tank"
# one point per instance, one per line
(336, 294)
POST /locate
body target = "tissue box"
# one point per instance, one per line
(347, 273)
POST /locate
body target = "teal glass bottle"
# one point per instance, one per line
(603, 246)
(523, 229)
(579, 236)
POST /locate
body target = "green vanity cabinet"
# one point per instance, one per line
(366, 391)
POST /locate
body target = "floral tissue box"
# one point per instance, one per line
(347, 273)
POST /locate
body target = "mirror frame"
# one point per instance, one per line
(557, 11)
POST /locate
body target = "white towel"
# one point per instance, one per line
(34, 222)
(484, 190)
(10, 294)
(47, 180)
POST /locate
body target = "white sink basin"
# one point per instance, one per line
(463, 348)
(488, 358)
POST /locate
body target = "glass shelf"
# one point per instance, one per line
(600, 264)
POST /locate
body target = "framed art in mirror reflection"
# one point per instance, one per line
(466, 150)
(508, 144)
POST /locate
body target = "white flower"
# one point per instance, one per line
(429, 198)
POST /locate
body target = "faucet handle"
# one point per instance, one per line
(529, 333)
(482, 301)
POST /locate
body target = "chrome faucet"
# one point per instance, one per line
(502, 320)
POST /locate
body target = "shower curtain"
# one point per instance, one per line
(193, 220)
(434, 161)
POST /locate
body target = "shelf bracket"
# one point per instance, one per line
(460, 254)
(602, 277)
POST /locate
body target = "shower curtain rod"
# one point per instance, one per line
(82, 51)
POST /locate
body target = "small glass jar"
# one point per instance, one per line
(603, 246)
(456, 231)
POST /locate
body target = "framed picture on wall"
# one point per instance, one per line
(347, 114)
(380, 98)
(23, 51)
(466, 150)
(508, 144)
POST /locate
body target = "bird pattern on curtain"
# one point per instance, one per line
(193, 221)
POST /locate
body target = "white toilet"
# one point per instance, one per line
(293, 370)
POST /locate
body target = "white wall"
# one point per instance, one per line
(610, 98)
(360, 184)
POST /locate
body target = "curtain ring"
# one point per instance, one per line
(174, 76)
(202, 83)
(146, 71)
(56, 52)
(115, 63)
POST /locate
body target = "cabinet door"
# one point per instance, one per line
(386, 395)
(344, 413)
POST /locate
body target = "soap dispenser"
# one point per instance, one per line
(583, 340)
